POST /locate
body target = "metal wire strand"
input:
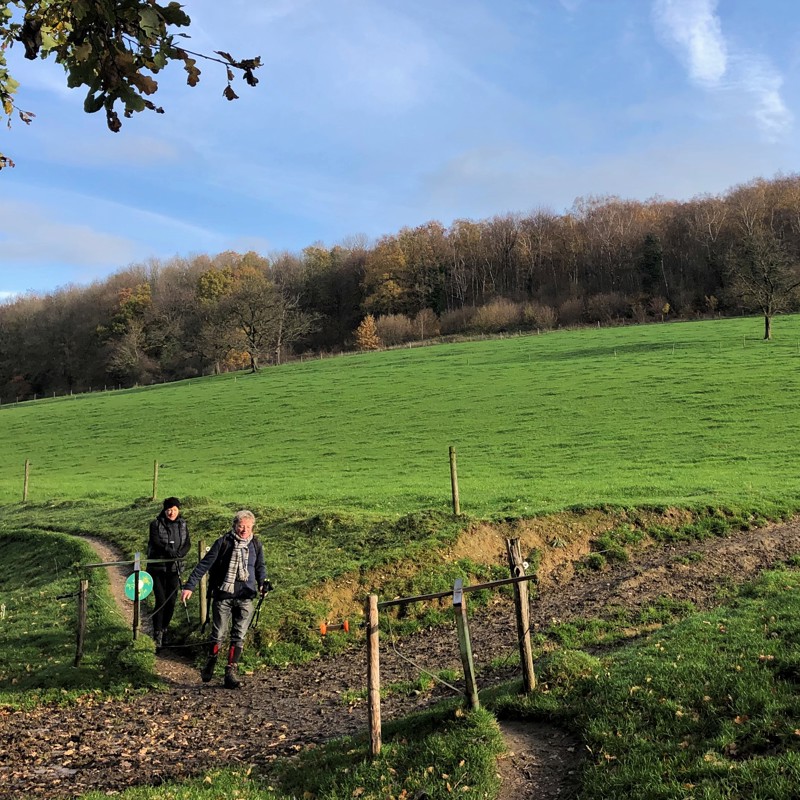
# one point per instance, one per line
(414, 663)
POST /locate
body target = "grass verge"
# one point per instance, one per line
(38, 588)
(707, 707)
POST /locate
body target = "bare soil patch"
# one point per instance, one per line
(192, 727)
(541, 762)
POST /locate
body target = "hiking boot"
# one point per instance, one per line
(207, 673)
(231, 679)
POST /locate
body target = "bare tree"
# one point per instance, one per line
(764, 275)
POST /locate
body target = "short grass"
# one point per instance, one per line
(679, 414)
(38, 613)
(345, 463)
(707, 707)
(301, 553)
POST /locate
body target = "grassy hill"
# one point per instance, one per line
(345, 463)
(680, 414)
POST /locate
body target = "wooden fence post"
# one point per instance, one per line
(373, 676)
(203, 587)
(464, 645)
(137, 565)
(521, 601)
(155, 479)
(25, 481)
(83, 592)
(454, 481)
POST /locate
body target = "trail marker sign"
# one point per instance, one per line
(145, 585)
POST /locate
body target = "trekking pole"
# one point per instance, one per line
(268, 587)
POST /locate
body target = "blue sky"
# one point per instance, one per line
(372, 115)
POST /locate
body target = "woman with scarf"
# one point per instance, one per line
(236, 574)
(167, 546)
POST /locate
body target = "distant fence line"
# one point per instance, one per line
(672, 347)
(454, 493)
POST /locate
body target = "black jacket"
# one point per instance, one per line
(168, 539)
(216, 561)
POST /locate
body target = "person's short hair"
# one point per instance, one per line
(171, 502)
(244, 514)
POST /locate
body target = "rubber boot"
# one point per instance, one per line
(231, 678)
(207, 673)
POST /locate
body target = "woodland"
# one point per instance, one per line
(605, 261)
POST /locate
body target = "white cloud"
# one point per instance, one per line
(758, 78)
(694, 29)
(30, 236)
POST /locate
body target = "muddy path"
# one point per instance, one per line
(191, 726)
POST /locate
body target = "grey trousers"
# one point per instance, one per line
(231, 613)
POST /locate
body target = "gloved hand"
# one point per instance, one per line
(267, 587)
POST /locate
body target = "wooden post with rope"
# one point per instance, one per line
(464, 645)
(373, 676)
(522, 605)
(83, 592)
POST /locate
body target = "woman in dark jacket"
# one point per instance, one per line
(169, 540)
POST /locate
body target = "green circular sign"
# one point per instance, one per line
(145, 585)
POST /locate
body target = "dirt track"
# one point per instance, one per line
(109, 745)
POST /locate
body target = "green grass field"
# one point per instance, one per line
(683, 414)
(343, 459)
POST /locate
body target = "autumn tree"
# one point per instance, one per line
(764, 254)
(367, 334)
(329, 286)
(536, 247)
(170, 316)
(127, 336)
(112, 48)
(384, 292)
(267, 319)
(212, 337)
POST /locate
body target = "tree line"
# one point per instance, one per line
(606, 260)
